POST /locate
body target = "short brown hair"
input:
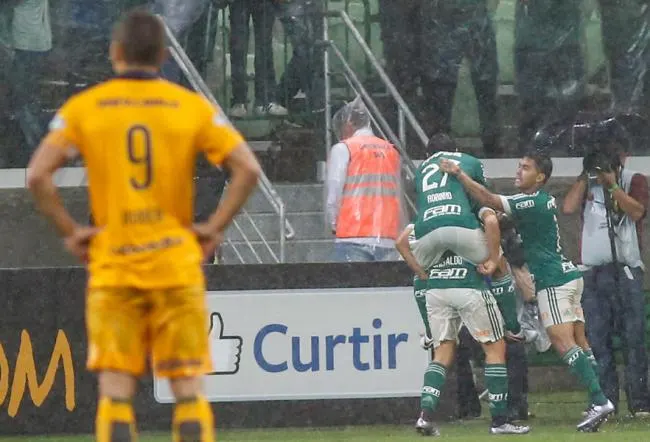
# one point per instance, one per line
(141, 35)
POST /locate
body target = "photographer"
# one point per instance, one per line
(613, 200)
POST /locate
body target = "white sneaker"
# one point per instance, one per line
(426, 428)
(273, 109)
(238, 111)
(509, 428)
(596, 415)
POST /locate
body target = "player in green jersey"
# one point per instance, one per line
(558, 282)
(455, 295)
(447, 220)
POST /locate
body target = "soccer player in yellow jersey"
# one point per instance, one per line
(139, 136)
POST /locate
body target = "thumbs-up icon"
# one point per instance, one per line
(225, 350)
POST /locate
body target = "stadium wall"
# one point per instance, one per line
(266, 322)
(45, 389)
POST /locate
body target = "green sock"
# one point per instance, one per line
(581, 367)
(504, 293)
(434, 379)
(419, 290)
(496, 380)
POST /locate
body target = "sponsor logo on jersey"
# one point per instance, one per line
(442, 196)
(551, 204)
(501, 290)
(447, 209)
(525, 204)
(455, 273)
(497, 397)
(568, 266)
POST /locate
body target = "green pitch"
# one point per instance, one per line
(555, 418)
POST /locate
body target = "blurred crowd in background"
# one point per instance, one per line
(50, 49)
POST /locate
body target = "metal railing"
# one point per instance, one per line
(270, 194)
(404, 114)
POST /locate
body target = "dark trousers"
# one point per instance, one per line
(263, 14)
(401, 34)
(549, 80)
(180, 15)
(449, 34)
(303, 26)
(610, 310)
(27, 73)
(517, 365)
(626, 41)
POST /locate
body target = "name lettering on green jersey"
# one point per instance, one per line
(442, 196)
(447, 209)
(453, 260)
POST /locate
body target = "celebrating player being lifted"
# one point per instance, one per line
(558, 282)
(455, 295)
(449, 220)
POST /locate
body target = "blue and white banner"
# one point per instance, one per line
(312, 344)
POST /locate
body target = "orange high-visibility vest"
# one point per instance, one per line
(370, 206)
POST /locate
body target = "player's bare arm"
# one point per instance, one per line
(404, 248)
(476, 190)
(575, 196)
(244, 172)
(635, 209)
(493, 235)
(51, 155)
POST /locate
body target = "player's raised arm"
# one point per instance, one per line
(476, 190)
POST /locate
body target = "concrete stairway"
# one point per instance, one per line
(304, 209)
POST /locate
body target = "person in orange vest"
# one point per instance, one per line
(364, 195)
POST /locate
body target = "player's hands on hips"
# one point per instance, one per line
(208, 239)
(78, 241)
(449, 166)
(487, 268)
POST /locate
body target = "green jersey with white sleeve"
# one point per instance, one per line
(535, 215)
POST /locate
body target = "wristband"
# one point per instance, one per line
(613, 188)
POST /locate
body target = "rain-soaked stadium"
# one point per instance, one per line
(450, 207)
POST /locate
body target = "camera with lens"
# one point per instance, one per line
(598, 139)
(602, 141)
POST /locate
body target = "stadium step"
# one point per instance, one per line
(297, 251)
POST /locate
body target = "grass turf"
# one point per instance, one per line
(555, 418)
